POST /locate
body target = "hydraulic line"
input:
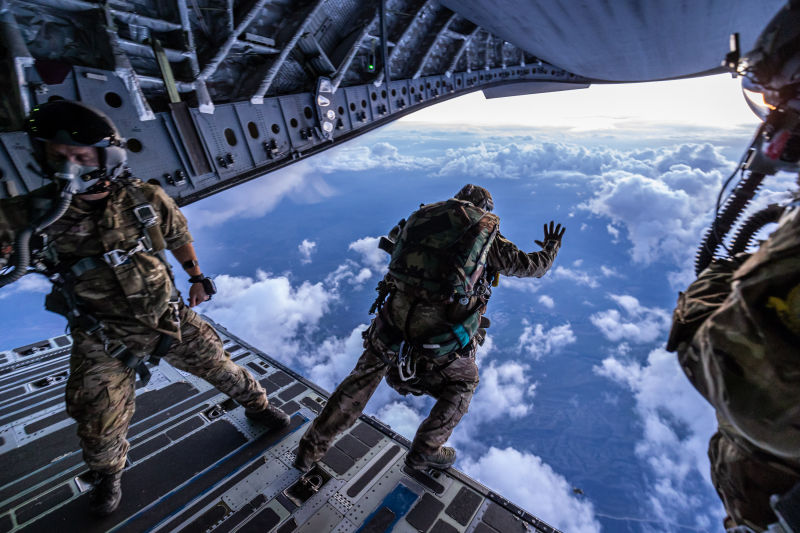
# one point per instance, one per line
(22, 250)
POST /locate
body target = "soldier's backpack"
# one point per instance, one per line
(441, 251)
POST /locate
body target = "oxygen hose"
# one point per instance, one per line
(737, 201)
(22, 250)
(744, 237)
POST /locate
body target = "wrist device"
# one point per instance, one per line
(208, 284)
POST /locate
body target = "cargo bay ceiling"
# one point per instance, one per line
(211, 93)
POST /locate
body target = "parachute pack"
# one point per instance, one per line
(442, 248)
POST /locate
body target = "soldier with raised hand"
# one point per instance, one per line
(101, 242)
(430, 321)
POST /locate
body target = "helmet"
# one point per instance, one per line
(76, 124)
(773, 65)
(477, 196)
(771, 85)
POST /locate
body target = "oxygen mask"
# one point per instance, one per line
(74, 177)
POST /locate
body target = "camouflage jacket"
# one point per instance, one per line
(504, 257)
(139, 289)
(737, 333)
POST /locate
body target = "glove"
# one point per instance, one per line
(552, 237)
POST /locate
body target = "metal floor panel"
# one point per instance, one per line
(196, 463)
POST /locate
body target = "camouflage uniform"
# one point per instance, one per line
(452, 379)
(133, 301)
(737, 332)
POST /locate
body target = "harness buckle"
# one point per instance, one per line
(115, 258)
(146, 215)
(95, 327)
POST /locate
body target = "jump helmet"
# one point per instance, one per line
(77, 124)
(477, 196)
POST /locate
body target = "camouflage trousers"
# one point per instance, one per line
(745, 478)
(452, 382)
(100, 392)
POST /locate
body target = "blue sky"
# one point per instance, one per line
(576, 388)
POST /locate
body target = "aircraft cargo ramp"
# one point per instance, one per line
(197, 464)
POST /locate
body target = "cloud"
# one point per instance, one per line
(539, 342)
(29, 283)
(546, 301)
(677, 424)
(269, 312)
(522, 159)
(333, 359)
(530, 483)
(610, 272)
(371, 256)
(360, 157)
(401, 418)
(577, 276)
(349, 272)
(614, 232)
(306, 248)
(637, 323)
(504, 390)
(254, 199)
(533, 285)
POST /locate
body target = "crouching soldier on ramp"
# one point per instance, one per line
(430, 321)
(101, 242)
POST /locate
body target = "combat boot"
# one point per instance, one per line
(441, 459)
(302, 461)
(271, 417)
(106, 494)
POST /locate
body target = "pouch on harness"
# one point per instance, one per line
(440, 256)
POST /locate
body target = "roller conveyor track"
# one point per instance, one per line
(197, 464)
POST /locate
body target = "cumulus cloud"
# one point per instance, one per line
(662, 199)
(362, 157)
(677, 424)
(521, 159)
(401, 418)
(578, 276)
(559, 273)
(538, 342)
(610, 272)
(636, 323)
(530, 483)
(330, 361)
(546, 301)
(306, 248)
(505, 390)
(270, 312)
(300, 182)
(349, 272)
(29, 283)
(371, 256)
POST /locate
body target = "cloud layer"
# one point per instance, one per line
(677, 425)
(527, 481)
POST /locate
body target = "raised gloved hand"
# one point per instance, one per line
(552, 237)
